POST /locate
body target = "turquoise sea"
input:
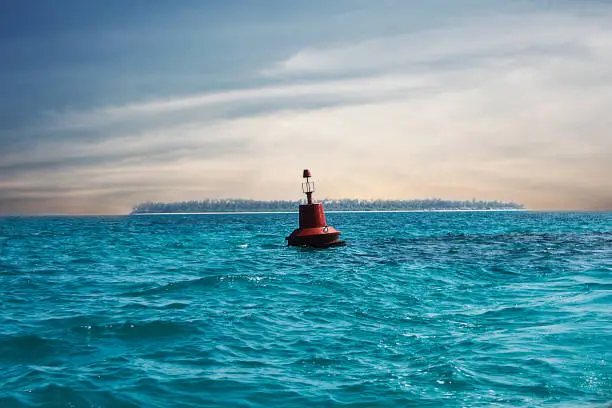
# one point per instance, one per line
(455, 309)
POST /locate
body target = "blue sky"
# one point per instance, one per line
(105, 104)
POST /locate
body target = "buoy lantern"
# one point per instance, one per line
(313, 231)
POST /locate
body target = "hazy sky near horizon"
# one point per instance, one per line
(106, 104)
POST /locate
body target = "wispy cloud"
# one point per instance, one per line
(277, 97)
(484, 37)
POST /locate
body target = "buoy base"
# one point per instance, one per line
(318, 237)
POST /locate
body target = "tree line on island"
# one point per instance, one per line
(244, 205)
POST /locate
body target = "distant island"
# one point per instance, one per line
(243, 205)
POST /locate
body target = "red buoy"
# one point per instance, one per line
(313, 231)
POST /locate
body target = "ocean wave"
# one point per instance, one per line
(139, 329)
(53, 394)
(417, 310)
(198, 284)
(25, 348)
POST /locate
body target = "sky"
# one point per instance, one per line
(107, 104)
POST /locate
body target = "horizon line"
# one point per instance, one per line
(296, 212)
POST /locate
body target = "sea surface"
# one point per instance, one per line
(453, 309)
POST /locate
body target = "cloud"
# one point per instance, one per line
(500, 107)
(485, 37)
(334, 92)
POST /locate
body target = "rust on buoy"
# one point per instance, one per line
(313, 230)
